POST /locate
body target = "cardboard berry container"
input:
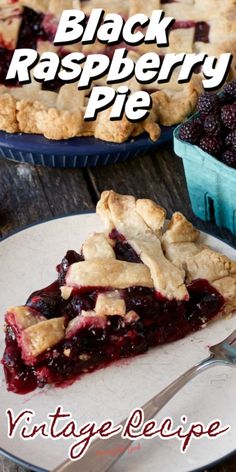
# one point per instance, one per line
(211, 184)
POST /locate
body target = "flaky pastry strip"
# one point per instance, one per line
(98, 246)
(110, 273)
(40, 337)
(120, 212)
(110, 303)
(182, 247)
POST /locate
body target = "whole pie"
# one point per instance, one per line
(57, 111)
(137, 285)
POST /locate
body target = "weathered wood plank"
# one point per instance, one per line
(9, 466)
(65, 190)
(29, 194)
(21, 195)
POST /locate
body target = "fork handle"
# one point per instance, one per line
(98, 458)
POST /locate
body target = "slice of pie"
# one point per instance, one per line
(135, 286)
(56, 110)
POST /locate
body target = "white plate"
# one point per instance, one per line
(27, 261)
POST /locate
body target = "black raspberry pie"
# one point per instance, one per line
(56, 110)
(135, 286)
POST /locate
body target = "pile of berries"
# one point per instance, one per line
(214, 130)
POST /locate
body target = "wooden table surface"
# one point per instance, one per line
(31, 194)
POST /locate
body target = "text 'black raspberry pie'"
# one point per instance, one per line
(135, 286)
(57, 111)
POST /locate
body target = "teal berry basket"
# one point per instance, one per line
(211, 184)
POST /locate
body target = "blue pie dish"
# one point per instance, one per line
(75, 152)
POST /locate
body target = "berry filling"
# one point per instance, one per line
(70, 258)
(34, 27)
(178, 24)
(123, 251)
(92, 342)
(5, 60)
(31, 29)
(201, 29)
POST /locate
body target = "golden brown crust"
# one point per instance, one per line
(227, 288)
(8, 121)
(108, 273)
(22, 317)
(173, 108)
(117, 131)
(98, 246)
(109, 304)
(66, 292)
(36, 5)
(153, 215)
(149, 125)
(120, 212)
(58, 124)
(210, 265)
(36, 116)
(40, 337)
(180, 230)
(182, 246)
(27, 116)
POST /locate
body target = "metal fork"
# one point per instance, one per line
(95, 461)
